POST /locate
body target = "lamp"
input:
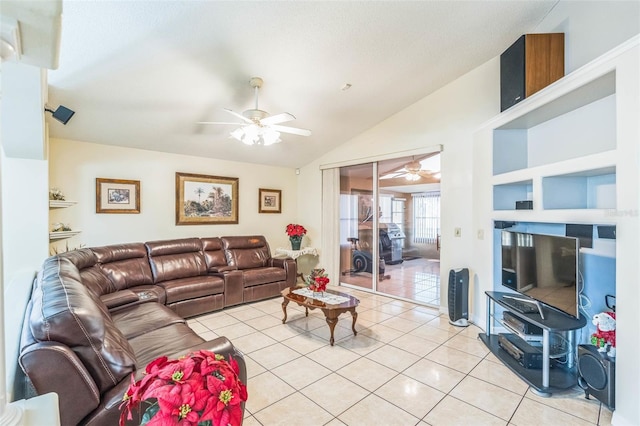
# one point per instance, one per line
(256, 135)
(62, 113)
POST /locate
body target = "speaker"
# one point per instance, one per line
(597, 375)
(459, 297)
(531, 63)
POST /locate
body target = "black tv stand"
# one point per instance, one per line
(545, 381)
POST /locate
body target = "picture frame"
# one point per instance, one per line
(206, 200)
(117, 196)
(269, 200)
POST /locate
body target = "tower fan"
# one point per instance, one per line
(459, 297)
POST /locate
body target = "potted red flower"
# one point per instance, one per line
(317, 280)
(201, 388)
(295, 233)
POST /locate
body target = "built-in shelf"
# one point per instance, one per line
(58, 204)
(60, 235)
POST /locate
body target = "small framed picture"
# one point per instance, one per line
(269, 200)
(117, 196)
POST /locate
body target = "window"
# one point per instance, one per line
(397, 211)
(426, 217)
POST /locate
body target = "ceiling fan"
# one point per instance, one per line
(413, 171)
(257, 127)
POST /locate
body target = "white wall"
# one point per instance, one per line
(74, 167)
(447, 117)
(591, 28)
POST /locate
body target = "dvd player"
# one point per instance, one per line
(526, 355)
(526, 330)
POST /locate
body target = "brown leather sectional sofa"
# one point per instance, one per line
(98, 314)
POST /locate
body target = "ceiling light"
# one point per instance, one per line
(412, 177)
(256, 135)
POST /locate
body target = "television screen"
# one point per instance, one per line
(543, 267)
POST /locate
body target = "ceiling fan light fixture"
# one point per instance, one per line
(412, 177)
(255, 135)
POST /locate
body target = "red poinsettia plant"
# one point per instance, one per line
(201, 388)
(295, 230)
(317, 280)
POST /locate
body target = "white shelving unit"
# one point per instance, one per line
(60, 235)
(561, 155)
(572, 149)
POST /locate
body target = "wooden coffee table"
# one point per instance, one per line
(331, 312)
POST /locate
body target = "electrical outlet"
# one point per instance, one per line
(457, 232)
(481, 234)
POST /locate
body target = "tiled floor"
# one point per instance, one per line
(417, 279)
(406, 366)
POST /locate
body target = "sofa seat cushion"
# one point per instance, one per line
(172, 339)
(139, 319)
(190, 288)
(266, 275)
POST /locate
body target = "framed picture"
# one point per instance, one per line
(206, 200)
(117, 196)
(269, 200)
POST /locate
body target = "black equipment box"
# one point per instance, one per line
(520, 325)
(521, 351)
(524, 205)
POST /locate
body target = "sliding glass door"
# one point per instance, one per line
(358, 251)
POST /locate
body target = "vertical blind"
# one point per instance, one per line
(426, 217)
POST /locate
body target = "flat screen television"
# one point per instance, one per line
(543, 267)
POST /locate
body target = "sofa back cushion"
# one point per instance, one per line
(90, 273)
(66, 311)
(213, 253)
(246, 252)
(126, 265)
(174, 259)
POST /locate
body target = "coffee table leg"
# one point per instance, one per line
(306, 311)
(354, 315)
(332, 325)
(285, 302)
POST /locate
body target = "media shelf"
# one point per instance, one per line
(545, 380)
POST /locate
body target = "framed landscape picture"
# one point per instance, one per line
(117, 196)
(269, 200)
(206, 200)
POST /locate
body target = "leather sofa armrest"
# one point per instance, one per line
(289, 265)
(233, 288)
(223, 269)
(78, 394)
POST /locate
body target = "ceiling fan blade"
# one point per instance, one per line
(219, 122)
(277, 119)
(240, 116)
(293, 130)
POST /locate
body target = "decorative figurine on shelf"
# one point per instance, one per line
(605, 336)
(60, 227)
(56, 194)
(295, 233)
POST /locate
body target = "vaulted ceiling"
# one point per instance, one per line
(142, 73)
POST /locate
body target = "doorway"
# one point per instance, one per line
(396, 251)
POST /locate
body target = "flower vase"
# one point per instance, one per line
(318, 294)
(295, 242)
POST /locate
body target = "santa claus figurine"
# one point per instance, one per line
(605, 336)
